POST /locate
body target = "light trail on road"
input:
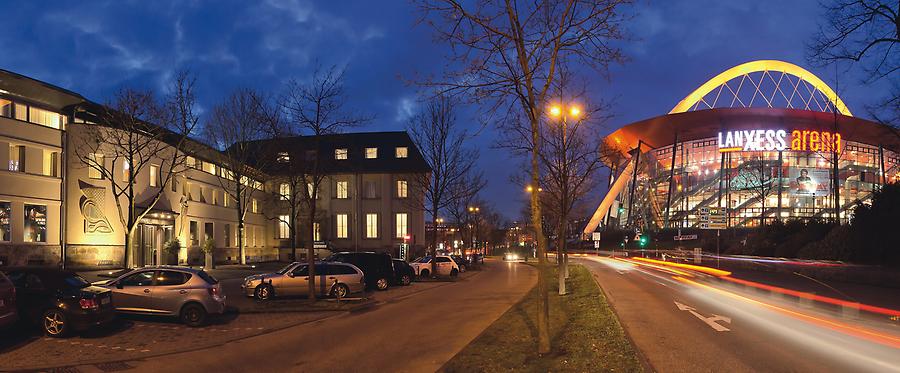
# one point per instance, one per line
(862, 344)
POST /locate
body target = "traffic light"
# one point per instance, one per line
(644, 241)
(621, 209)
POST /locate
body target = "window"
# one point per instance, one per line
(172, 278)
(402, 189)
(441, 259)
(215, 196)
(401, 152)
(340, 154)
(254, 206)
(5, 219)
(138, 279)
(227, 235)
(45, 117)
(341, 225)
(194, 234)
(284, 190)
(371, 225)
(402, 220)
(5, 108)
(284, 230)
(174, 184)
(225, 199)
(317, 232)
(283, 157)
(209, 168)
(341, 192)
(371, 190)
(154, 175)
(51, 161)
(17, 158)
(125, 168)
(21, 112)
(371, 153)
(301, 271)
(191, 161)
(35, 223)
(310, 189)
(207, 231)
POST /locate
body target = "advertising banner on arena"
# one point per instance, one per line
(811, 182)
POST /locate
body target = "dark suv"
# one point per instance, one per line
(378, 268)
(60, 301)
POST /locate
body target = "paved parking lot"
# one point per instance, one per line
(136, 337)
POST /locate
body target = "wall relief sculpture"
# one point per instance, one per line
(95, 220)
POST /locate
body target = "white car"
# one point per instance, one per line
(444, 264)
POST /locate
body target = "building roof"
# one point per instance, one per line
(660, 131)
(355, 143)
(37, 91)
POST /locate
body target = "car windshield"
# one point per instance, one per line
(76, 281)
(424, 259)
(285, 269)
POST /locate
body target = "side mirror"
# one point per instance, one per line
(290, 274)
(119, 285)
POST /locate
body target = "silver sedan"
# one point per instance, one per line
(332, 279)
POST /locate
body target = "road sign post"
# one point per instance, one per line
(714, 218)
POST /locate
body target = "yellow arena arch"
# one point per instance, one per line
(764, 66)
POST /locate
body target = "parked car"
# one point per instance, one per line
(511, 257)
(445, 266)
(333, 279)
(377, 267)
(60, 301)
(404, 274)
(187, 293)
(461, 261)
(8, 314)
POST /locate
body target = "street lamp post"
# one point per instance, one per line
(473, 211)
(562, 256)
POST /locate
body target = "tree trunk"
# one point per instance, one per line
(560, 257)
(240, 233)
(311, 251)
(543, 315)
(434, 213)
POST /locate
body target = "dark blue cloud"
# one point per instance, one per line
(97, 47)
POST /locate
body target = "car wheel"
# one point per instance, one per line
(382, 284)
(424, 273)
(55, 323)
(340, 291)
(193, 315)
(263, 292)
(454, 273)
(405, 280)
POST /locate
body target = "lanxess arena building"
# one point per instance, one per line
(763, 139)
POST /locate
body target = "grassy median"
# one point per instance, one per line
(586, 336)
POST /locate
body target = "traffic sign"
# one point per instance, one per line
(713, 218)
(596, 244)
(595, 236)
(686, 237)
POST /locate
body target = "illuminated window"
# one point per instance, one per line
(51, 160)
(371, 225)
(209, 168)
(341, 225)
(35, 223)
(317, 232)
(402, 190)
(191, 162)
(225, 199)
(284, 190)
(254, 206)
(371, 153)
(21, 112)
(5, 219)
(401, 152)
(341, 192)
(402, 221)
(284, 230)
(283, 157)
(371, 189)
(17, 158)
(340, 154)
(45, 117)
(5, 108)
(95, 163)
(310, 189)
(154, 175)
(125, 168)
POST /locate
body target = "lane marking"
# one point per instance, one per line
(712, 321)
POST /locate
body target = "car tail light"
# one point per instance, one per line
(89, 304)
(213, 291)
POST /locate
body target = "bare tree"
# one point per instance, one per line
(866, 31)
(131, 134)
(316, 108)
(510, 55)
(453, 177)
(243, 117)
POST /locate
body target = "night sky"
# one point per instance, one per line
(96, 47)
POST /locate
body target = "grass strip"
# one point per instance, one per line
(586, 335)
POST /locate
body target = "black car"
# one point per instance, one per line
(60, 301)
(404, 274)
(462, 262)
(378, 268)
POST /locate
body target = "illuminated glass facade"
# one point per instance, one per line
(755, 186)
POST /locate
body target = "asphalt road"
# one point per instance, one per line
(690, 322)
(418, 333)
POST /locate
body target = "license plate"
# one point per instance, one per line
(104, 300)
